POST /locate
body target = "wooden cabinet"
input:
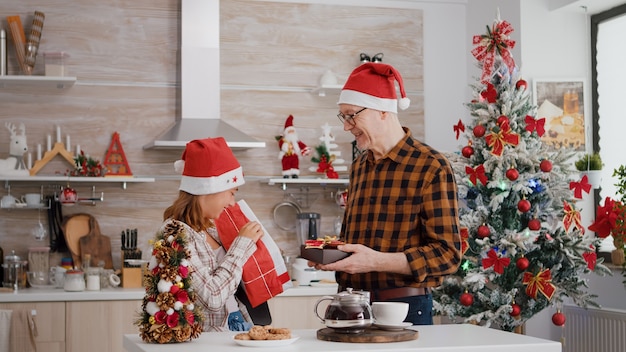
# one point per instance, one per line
(296, 312)
(49, 319)
(98, 326)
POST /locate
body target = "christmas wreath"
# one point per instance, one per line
(169, 314)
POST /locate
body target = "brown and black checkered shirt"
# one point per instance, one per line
(404, 202)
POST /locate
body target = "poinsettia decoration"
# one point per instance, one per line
(324, 162)
(85, 165)
(169, 313)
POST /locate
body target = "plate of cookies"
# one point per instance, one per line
(265, 336)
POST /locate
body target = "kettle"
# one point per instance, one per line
(348, 312)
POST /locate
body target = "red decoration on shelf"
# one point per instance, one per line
(545, 165)
(521, 84)
(458, 128)
(483, 231)
(115, 160)
(523, 205)
(558, 318)
(516, 310)
(512, 174)
(534, 224)
(479, 131)
(522, 263)
(466, 299)
(467, 151)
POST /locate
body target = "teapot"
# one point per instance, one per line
(348, 312)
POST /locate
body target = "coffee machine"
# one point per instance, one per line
(308, 227)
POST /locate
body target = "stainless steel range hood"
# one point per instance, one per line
(200, 82)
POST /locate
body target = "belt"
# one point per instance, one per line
(393, 293)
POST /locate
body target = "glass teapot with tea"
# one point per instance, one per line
(349, 311)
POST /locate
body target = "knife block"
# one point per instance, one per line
(132, 277)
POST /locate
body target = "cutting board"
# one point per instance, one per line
(83, 236)
(370, 335)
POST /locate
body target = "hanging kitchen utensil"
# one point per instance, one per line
(55, 225)
(285, 213)
(96, 245)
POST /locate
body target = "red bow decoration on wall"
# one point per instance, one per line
(540, 282)
(497, 140)
(579, 187)
(464, 240)
(572, 217)
(458, 128)
(496, 40)
(490, 94)
(477, 173)
(498, 263)
(539, 125)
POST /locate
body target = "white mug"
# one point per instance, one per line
(32, 199)
(57, 276)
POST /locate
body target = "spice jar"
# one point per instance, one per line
(74, 281)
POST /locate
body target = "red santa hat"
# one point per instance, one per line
(289, 123)
(208, 166)
(372, 85)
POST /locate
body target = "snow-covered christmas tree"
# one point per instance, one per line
(524, 247)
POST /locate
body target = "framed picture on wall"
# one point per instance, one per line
(561, 103)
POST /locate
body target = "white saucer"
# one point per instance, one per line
(400, 326)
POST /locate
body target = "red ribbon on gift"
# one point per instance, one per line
(260, 278)
(498, 263)
(477, 173)
(458, 128)
(538, 125)
(497, 140)
(539, 283)
(580, 186)
(495, 41)
(572, 217)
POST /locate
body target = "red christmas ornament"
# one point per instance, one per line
(534, 224)
(516, 310)
(467, 151)
(545, 166)
(522, 263)
(467, 299)
(558, 318)
(483, 231)
(512, 174)
(479, 131)
(521, 84)
(523, 205)
(502, 119)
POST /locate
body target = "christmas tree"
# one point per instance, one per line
(524, 247)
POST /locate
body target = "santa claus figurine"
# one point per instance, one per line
(291, 149)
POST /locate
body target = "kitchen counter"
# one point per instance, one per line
(123, 294)
(432, 338)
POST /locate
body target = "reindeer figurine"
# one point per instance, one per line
(14, 164)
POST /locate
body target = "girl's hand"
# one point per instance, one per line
(252, 230)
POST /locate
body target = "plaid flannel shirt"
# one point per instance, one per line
(404, 202)
(214, 283)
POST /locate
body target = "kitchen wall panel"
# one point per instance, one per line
(125, 56)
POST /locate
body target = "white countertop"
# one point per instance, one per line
(122, 294)
(440, 338)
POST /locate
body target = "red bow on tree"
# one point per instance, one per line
(464, 240)
(458, 128)
(497, 140)
(477, 173)
(591, 258)
(540, 282)
(572, 217)
(496, 40)
(532, 124)
(580, 186)
(490, 94)
(498, 263)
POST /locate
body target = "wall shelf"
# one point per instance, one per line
(37, 81)
(65, 179)
(307, 181)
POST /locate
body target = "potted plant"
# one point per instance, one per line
(590, 164)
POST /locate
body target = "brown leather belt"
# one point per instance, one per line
(393, 293)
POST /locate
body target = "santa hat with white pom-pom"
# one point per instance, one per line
(208, 166)
(372, 85)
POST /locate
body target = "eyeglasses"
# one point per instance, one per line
(349, 118)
